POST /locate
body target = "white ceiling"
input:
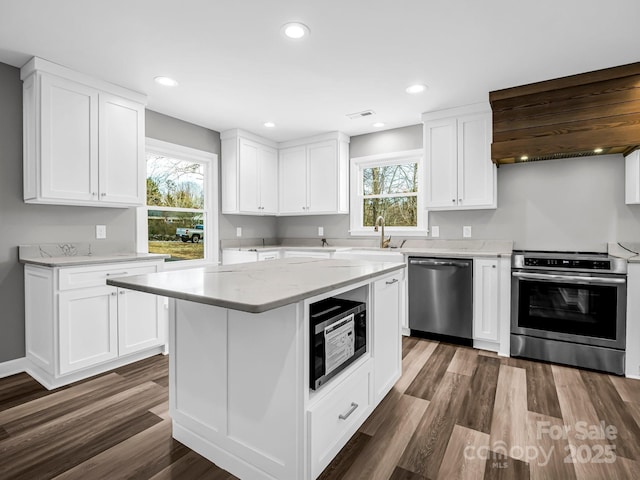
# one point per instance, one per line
(235, 69)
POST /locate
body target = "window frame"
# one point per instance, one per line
(356, 196)
(211, 208)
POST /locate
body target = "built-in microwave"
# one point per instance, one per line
(338, 330)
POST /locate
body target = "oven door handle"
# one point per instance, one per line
(570, 278)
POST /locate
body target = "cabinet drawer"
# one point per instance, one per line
(97, 275)
(336, 417)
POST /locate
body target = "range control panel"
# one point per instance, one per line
(567, 263)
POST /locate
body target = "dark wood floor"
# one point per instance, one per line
(456, 413)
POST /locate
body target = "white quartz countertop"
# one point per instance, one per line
(435, 248)
(627, 251)
(258, 286)
(78, 260)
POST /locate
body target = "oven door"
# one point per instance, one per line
(578, 308)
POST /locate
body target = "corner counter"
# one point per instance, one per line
(239, 373)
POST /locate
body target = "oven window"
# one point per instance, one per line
(588, 310)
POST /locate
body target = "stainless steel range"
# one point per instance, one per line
(569, 308)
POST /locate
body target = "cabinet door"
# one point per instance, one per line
(476, 171)
(249, 183)
(387, 352)
(293, 185)
(323, 181)
(485, 299)
(268, 160)
(88, 327)
(122, 164)
(139, 321)
(441, 164)
(69, 142)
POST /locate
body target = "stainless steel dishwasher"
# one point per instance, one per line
(441, 298)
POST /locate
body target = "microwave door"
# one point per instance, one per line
(339, 343)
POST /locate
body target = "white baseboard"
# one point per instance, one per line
(12, 367)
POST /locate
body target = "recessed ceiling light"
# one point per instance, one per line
(524, 158)
(166, 81)
(269, 124)
(413, 89)
(598, 150)
(295, 30)
(379, 124)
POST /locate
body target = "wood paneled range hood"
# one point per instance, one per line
(581, 115)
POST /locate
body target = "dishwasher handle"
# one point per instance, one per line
(440, 263)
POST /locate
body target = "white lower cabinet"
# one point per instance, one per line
(337, 417)
(492, 304)
(77, 326)
(387, 355)
(88, 327)
(139, 325)
(485, 299)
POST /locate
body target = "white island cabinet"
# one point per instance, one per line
(78, 326)
(240, 361)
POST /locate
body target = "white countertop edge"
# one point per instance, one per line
(130, 283)
(80, 260)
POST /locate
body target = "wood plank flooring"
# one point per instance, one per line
(456, 413)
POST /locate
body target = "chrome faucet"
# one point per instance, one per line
(384, 243)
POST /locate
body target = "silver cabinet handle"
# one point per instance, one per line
(103, 194)
(113, 294)
(344, 416)
(391, 282)
(118, 273)
(459, 200)
(122, 292)
(94, 193)
(453, 200)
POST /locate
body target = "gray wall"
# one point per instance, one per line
(28, 224)
(569, 204)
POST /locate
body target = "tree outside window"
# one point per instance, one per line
(388, 185)
(176, 200)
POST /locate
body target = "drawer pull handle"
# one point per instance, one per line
(391, 282)
(344, 416)
(119, 273)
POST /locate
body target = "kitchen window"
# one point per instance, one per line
(180, 218)
(387, 185)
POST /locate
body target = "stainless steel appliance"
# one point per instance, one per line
(338, 337)
(441, 298)
(569, 308)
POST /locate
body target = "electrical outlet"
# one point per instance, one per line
(435, 231)
(466, 231)
(238, 231)
(320, 231)
(101, 232)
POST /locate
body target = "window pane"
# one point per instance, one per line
(390, 179)
(397, 212)
(174, 183)
(163, 230)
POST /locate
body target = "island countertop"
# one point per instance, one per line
(258, 286)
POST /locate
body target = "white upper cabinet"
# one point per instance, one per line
(459, 173)
(632, 178)
(314, 175)
(249, 174)
(83, 139)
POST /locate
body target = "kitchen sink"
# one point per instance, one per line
(372, 254)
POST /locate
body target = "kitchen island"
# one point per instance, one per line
(239, 342)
